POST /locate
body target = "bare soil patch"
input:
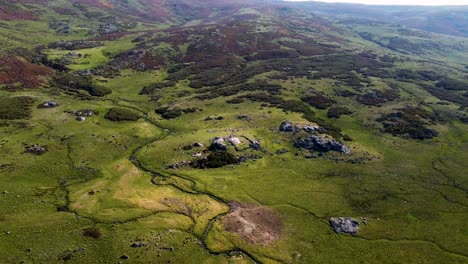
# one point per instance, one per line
(254, 224)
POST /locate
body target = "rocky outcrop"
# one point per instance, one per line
(321, 144)
(286, 126)
(346, 225)
(310, 129)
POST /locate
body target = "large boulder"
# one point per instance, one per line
(233, 140)
(321, 144)
(346, 225)
(218, 144)
(286, 126)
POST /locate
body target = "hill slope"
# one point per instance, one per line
(209, 132)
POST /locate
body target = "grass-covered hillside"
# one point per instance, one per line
(144, 131)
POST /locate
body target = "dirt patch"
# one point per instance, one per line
(254, 224)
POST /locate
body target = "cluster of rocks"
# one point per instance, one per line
(321, 144)
(61, 27)
(346, 225)
(36, 149)
(287, 126)
(219, 144)
(218, 118)
(108, 28)
(82, 114)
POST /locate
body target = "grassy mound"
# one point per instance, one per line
(122, 114)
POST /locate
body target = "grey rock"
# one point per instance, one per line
(286, 126)
(218, 144)
(346, 225)
(233, 140)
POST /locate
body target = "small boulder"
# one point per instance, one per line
(138, 244)
(80, 118)
(346, 225)
(198, 145)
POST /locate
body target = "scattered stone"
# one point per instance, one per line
(138, 244)
(321, 144)
(346, 225)
(81, 118)
(218, 144)
(167, 248)
(219, 118)
(8, 232)
(244, 117)
(281, 151)
(79, 249)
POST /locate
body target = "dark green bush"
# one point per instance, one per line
(93, 232)
(216, 159)
(98, 90)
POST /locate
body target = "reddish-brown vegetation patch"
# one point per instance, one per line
(13, 13)
(254, 224)
(17, 71)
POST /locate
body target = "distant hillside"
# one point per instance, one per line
(451, 20)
